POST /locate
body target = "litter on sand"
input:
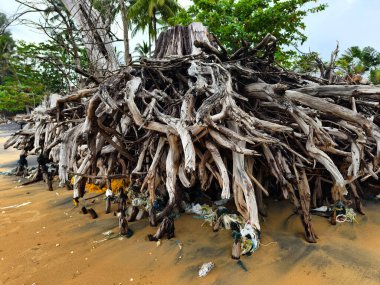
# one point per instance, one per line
(205, 269)
(16, 206)
(338, 212)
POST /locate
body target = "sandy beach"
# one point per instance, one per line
(47, 241)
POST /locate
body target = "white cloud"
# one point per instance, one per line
(351, 22)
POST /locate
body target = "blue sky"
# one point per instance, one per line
(351, 22)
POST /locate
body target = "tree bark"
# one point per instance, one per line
(96, 40)
(124, 17)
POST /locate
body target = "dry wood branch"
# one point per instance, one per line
(190, 119)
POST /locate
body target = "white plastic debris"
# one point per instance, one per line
(194, 209)
(205, 269)
(109, 193)
(321, 209)
(250, 239)
(138, 202)
(107, 233)
(16, 206)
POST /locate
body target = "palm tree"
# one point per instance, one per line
(358, 61)
(143, 49)
(374, 75)
(148, 13)
(141, 22)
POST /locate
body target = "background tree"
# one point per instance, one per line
(76, 24)
(36, 70)
(305, 63)
(30, 71)
(109, 9)
(142, 49)
(148, 14)
(374, 75)
(95, 34)
(7, 45)
(250, 20)
(361, 61)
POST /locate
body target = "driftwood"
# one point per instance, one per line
(235, 126)
(166, 227)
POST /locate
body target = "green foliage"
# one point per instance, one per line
(146, 14)
(25, 84)
(108, 9)
(250, 20)
(374, 75)
(7, 45)
(143, 49)
(360, 61)
(16, 96)
(39, 63)
(36, 70)
(306, 63)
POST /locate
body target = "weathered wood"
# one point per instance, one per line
(340, 91)
(179, 41)
(94, 31)
(236, 129)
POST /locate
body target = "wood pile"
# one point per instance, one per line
(196, 117)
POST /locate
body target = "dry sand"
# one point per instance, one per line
(50, 242)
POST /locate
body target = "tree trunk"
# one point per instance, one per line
(155, 25)
(96, 40)
(180, 40)
(124, 17)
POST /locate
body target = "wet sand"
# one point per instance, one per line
(49, 242)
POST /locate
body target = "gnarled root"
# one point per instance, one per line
(166, 227)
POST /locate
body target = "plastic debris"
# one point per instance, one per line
(16, 206)
(204, 212)
(76, 201)
(138, 202)
(228, 219)
(250, 239)
(109, 193)
(343, 213)
(351, 215)
(194, 209)
(221, 202)
(108, 233)
(205, 269)
(321, 209)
